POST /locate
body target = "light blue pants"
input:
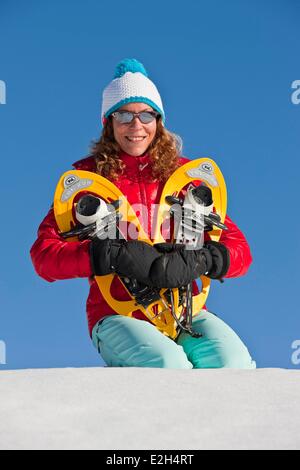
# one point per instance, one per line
(127, 342)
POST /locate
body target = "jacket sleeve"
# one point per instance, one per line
(239, 250)
(54, 258)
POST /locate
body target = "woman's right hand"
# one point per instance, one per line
(169, 268)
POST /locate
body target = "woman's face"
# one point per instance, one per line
(123, 132)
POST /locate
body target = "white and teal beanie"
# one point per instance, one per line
(130, 84)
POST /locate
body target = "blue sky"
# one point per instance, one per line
(224, 71)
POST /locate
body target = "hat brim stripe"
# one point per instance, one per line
(135, 99)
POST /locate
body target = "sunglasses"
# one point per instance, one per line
(125, 117)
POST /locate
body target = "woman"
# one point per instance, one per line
(138, 154)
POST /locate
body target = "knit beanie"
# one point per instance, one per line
(130, 84)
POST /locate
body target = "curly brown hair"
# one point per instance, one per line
(164, 153)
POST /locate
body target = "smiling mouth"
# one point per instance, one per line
(137, 139)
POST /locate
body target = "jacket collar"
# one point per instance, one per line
(132, 163)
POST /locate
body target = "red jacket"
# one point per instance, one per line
(56, 259)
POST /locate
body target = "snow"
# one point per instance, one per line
(133, 408)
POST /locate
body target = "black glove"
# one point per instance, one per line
(220, 259)
(165, 265)
(177, 266)
(103, 254)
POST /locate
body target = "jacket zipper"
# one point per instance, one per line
(144, 195)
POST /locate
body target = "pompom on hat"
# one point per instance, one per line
(130, 85)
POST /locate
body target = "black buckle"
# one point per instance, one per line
(143, 294)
